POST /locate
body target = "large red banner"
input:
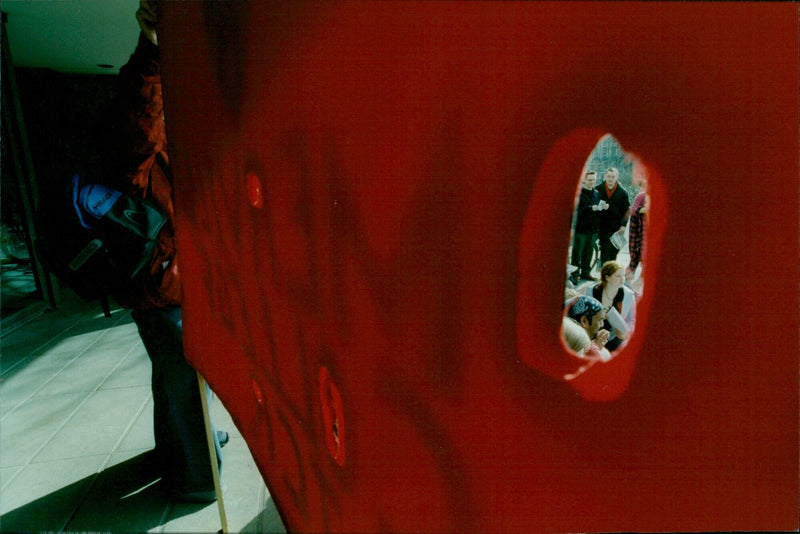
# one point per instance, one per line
(374, 202)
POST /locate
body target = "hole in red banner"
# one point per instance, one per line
(588, 333)
(606, 254)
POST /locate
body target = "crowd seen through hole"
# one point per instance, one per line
(606, 255)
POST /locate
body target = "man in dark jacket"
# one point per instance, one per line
(614, 218)
(585, 229)
(136, 162)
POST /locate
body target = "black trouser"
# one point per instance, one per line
(178, 422)
(582, 248)
(608, 252)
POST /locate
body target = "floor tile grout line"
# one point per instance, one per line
(42, 348)
(39, 349)
(53, 377)
(83, 316)
(75, 508)
(127, 355)
(162, 522)
(106, 462)
(104, 465)
(46, 442)
(126, 432)
(94, 342)
(78, 319)
(66, 420)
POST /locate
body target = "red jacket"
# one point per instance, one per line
(137, 136)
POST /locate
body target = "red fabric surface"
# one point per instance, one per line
(373, 204)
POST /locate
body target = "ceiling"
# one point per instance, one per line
(71, 36)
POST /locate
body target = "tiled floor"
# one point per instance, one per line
(76, 434)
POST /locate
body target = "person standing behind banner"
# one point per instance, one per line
(614, 218)
(585, 229)
(637, 219)
(135, 161)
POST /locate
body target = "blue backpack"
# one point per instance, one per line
(97, 240)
